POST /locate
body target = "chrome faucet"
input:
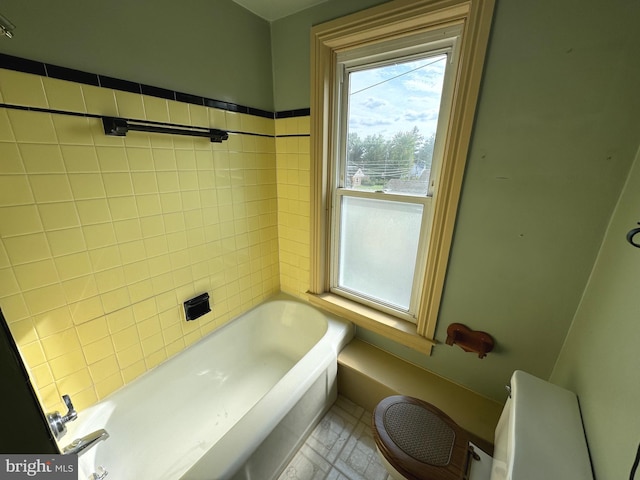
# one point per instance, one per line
(81, 445)
(99, 474)
(57, 422)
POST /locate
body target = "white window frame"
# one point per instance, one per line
(431, 43)
(348, 36)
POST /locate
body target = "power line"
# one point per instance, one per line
(393, 78)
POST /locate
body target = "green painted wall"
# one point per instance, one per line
(291, 44)
(212, 48)
(599, 360)
(555, 135)
(556, 132)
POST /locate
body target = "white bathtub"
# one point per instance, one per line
(235, 405)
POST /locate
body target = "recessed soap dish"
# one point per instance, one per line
(196, 306)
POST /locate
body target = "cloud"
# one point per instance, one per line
(374, 103)
(355, 122)
(420, 116)
(424, 84)
(428, 79)
(397, 98)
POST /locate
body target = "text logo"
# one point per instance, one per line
(50, 467)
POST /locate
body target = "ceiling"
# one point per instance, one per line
(272, 10)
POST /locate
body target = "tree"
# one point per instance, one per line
(402, 150)
(424, 156)
(355, 149)
(374, 158)
(404, 156)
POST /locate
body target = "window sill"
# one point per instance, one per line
(383, 324)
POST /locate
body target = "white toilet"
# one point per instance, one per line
(539, 437)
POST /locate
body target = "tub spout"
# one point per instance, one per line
(81, 445)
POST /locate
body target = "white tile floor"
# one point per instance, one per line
(339, 448)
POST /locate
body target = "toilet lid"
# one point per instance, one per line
(420, 433)
(419, 440)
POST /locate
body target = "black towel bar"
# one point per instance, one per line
(119, 127)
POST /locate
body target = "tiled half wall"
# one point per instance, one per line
(103, 238)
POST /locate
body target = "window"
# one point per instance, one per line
(393, 97)
(394, 102)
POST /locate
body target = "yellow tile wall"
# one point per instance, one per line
(293, 170)
(103, 238)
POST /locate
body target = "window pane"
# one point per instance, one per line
(378, 248)
(391, 126)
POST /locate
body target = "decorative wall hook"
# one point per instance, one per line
(631, 234)
(469, 340)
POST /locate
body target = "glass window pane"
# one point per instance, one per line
(391, 126)
(378, 249)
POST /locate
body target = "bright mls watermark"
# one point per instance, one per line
(50, 467)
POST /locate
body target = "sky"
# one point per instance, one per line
(393, 98)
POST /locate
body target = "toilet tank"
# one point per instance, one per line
(540, 434)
